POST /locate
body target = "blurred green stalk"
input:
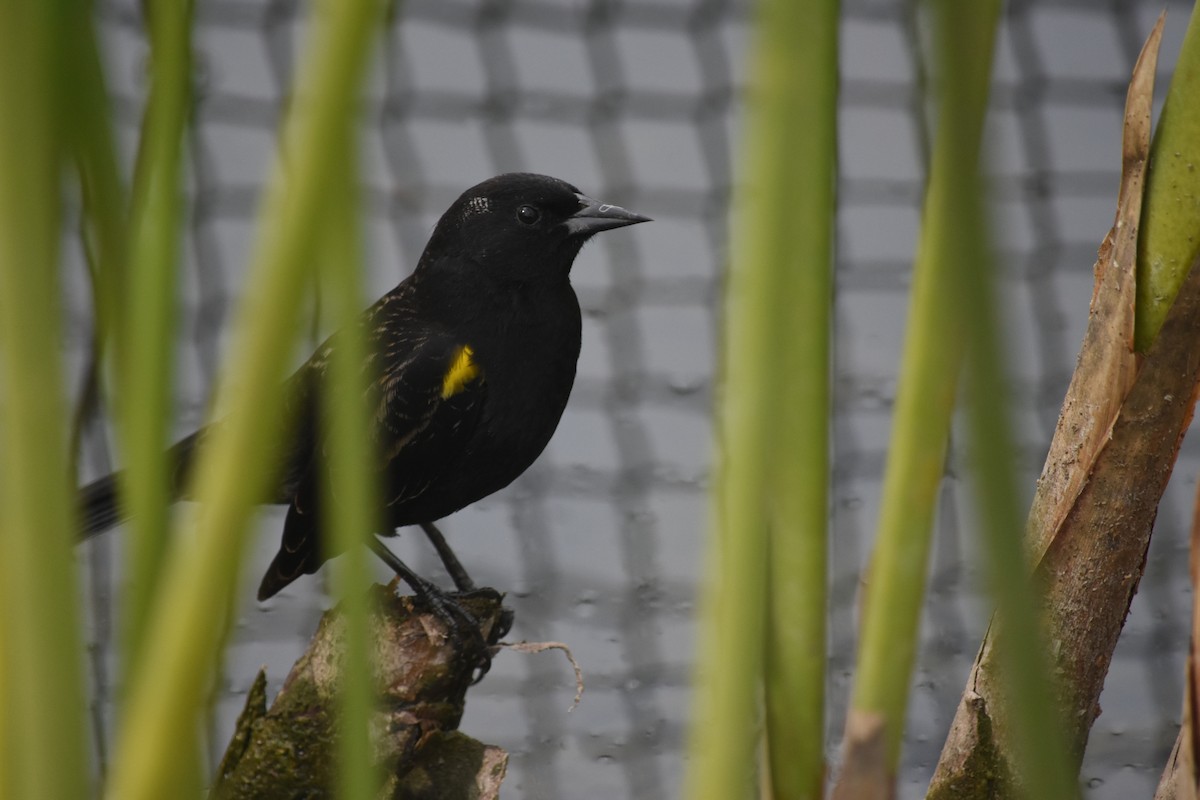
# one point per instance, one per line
(104, 200)
(765, 272)
(149, 311)
(353, 480)
(1167, 241)
(929, 371)
(964, 40)
(805, 180)
(187, 622)
(44, 738)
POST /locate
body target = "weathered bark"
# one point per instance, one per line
(1091, 570)
(1107, 364)
(1113, 452)
(423, 677)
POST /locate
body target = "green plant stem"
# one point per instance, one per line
(354, 482)
(150, 310)
(725, 729)
(1167, 240)
(924, 404)
(964, 38)
(41, 690)
(104, 198)
(103, 227)
(186, 626)
(794, 681)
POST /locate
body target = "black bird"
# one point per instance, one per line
(471, 360)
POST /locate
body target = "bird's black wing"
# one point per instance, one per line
(424, 397)
(99, 501)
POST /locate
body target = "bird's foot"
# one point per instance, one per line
(504, 621)
(464, 629)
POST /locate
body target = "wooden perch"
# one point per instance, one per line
(423, 676)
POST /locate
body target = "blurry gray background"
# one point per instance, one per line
(599, 545)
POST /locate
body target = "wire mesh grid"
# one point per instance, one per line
(599, 544)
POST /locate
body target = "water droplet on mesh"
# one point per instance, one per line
(685, 384)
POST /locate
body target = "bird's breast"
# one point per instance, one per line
(528, 365)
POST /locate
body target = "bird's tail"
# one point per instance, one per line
(100, 503)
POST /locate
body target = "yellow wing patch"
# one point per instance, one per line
(462, 371)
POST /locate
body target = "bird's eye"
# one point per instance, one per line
(528, 215)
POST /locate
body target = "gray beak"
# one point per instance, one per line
(594, 217)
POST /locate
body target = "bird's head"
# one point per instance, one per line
(522, 226)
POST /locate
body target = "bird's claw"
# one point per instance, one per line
(464, 629)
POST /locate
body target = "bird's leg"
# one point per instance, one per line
(462, 581)
(458, 620)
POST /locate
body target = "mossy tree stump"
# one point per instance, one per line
(422, 675)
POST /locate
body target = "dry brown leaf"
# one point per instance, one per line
(1107, 363)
